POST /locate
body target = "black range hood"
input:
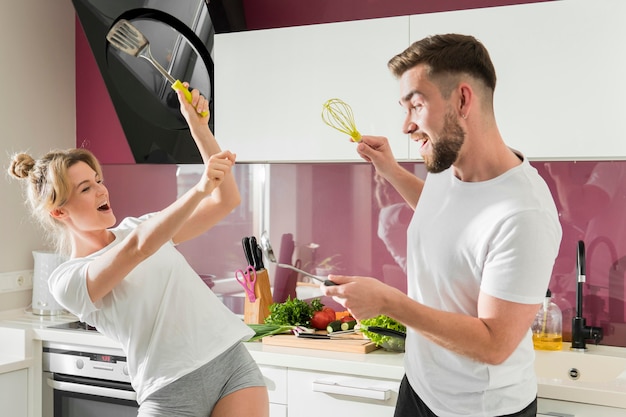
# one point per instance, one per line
(181, 39)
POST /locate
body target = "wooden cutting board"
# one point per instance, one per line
(356, 344)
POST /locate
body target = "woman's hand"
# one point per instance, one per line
(218, 166)
(192, 112)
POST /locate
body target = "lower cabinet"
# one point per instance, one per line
(312, 394)
(14, 393)
(300, 393)
(276, 381)
(547, 407)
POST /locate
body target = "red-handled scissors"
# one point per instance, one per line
(247, 279)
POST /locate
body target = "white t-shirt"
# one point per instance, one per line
(501, 237)
(166, 318)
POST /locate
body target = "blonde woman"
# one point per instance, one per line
(183, 345)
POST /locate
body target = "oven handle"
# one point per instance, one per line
(92, 390)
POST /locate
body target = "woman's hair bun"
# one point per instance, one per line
(21, 165)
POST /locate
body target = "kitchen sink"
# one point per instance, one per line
(596, 376)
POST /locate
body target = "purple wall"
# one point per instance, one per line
(97, 126)
(265, 14)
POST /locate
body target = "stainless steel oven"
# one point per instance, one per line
(83, 381)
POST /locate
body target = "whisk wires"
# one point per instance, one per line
(338, 115)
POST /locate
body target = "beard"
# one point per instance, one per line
(445, 150)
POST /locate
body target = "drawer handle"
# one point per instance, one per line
(375, 393)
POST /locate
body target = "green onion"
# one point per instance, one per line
(262, 330)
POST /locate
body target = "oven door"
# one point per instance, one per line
(79, 397)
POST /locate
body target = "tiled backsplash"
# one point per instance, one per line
(342, 213)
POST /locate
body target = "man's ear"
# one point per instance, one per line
(465, 100)
(58, 213)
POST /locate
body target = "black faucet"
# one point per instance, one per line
(580, 331)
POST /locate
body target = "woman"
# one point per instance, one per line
(183, 345)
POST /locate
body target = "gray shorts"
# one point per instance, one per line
(195, 394)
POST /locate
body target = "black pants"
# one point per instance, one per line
(410, 404)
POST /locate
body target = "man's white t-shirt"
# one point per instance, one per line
(500, 237)
(166, 318)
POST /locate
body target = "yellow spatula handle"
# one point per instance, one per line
(178, 86)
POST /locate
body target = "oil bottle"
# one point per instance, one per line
(548, 326)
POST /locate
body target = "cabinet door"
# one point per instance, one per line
(336, 395)
(276, 381)
(560, 73)
(547, 407)
(270, 86)
(14, 393)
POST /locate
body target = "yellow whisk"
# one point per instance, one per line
(338, 115)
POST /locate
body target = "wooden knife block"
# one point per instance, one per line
(255, 313)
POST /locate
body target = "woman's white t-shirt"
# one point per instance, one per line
(166, 318)
(500, 237)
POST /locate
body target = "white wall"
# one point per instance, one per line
(37, 113)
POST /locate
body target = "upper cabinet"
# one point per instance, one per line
(561, 70)
(561, 81)
(270, 86)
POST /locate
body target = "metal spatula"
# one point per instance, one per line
(128, 39)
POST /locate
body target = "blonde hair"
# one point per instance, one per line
(49, 188)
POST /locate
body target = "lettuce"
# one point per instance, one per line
(386, 322)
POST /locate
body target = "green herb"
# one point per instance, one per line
(262, 330)
(316, 305)
(386, 322)
(292, 313)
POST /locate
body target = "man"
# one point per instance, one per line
(480, 246)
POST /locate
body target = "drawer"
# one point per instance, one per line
(338, 395)
(276, 381)
(549, 407)
(278, 410)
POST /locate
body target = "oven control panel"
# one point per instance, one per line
(85, 361)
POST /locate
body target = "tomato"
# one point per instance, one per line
(330, 312)
(321, 319)
(347, 319)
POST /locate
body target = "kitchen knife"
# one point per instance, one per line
(257, 253)
(252, 248)
(245, 242)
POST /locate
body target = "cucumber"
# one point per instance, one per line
(334, 326)
(348, 325)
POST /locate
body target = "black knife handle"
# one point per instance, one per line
(257, 261)
(245, 242)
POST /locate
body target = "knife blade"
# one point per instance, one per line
(313, 336)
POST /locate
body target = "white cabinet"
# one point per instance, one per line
(276, 381)
(312, 394)
(560, 68)
(14, 393)
(547, 407)
(270, 86)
